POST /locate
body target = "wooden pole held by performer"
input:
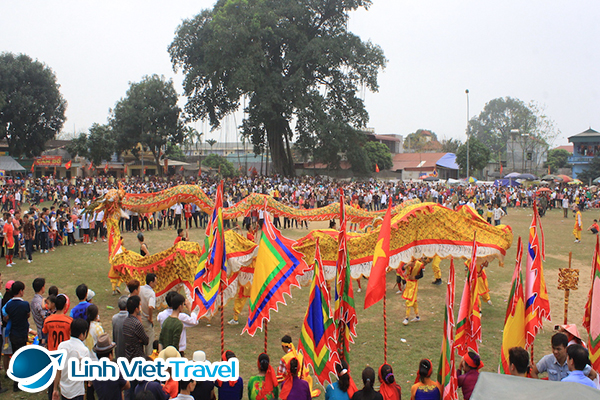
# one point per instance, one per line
(266, 334)
(385, 344)
(568, 279)
(222, 322)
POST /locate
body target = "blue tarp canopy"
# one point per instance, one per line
(506, 182)
(448, 161)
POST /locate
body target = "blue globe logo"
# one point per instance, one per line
(34, 367)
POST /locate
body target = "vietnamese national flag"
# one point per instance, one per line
(145, 169)
(199, 171)
(181, 169)
(32, 167)
(500, 170)
(68, 165)
(381, 259)
(106, 168)
(125, 171)
(91, 165)
(376, 168)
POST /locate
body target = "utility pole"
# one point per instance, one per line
(468, 132)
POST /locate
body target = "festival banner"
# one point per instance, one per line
(446, 369)
(591, 318)
(345, 312)
(48, 161)
(68, 164)
(317, 340)
(513, 334)
(468, 328)
(537, 304)
(276, 270)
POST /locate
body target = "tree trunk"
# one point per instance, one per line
(282, 162)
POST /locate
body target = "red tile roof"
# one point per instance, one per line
(567, 147)
(415, 161)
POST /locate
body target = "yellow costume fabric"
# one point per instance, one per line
(577, 227)
(240, 300)
(302, 373)
(435, 266)
(483, 289)
(412, 287)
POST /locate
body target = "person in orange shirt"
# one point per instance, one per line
(180, 236)
(9, 240)
(57, 327)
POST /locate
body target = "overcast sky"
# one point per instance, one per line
(546, 51)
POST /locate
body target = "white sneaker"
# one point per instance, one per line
(13, 263)
(405, 321)
(45, 251)
(29, 261)
(9, 265)
(233, 322)
(41, 251)
(359, 290)
(490, 302)
(399, 292)
(416, 319)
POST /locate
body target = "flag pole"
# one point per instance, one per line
(385, 344)
(222, 320)
(266, 334)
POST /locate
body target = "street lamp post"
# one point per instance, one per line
(468, 132)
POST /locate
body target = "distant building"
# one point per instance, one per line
(586, 145)
(392, 140)
(416, 165)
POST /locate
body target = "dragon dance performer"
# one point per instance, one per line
(578, 225)
(413, 271)
(291, 353)
(437, 272)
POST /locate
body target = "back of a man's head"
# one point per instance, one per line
(579, 355)
(133, 303)
(60, 302)
(122, 303)
(81, 292)
(150, 278)
(17, 287)
(519, 357)
(79, 326)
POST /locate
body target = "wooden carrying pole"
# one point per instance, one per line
(266, 334)
(385, 344)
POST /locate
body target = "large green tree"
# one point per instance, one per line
(225, 167)
(557, 158)
(148, 116)
(286, 60)
(98, 145)
(379, 154)
(591, 172)
(32, 110)
(479, 156)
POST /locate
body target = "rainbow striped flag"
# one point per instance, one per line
(345, 313)
(537, 304)
(276, 270)
(317, 340)
(208, 284)
(591, 318)
(513, 334)
(446, 370)
(468, 328)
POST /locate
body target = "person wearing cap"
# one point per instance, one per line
(470, 364)
(204, 390)
(572, 334)
(108, 389)
(170, 386)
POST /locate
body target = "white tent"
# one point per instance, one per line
(492, 386)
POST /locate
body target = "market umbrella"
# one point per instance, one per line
(431, 179)
(597, 180)
(512, 175)
(565, 178)
(528, 177)
(471, 179)
(542, 190)
(548, 177)
(575, 182)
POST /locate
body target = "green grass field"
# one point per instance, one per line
(67, 267)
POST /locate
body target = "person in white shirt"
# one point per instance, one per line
(147, 305)
(185, 390)
(498, 214)
(75, 348)
(188, 320)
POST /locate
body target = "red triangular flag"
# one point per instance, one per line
(181, 169)
(125, 171)
(68, 165)
(91, 165)
(381, 261)
(145, 169)
(199, 170)
(32, 167)
(376, 168)
(106, 168)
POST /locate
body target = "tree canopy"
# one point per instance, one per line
(97, 146)
(557, 158)
(451, 145)
(591, 172)
(479, 156)
(286, 60)
(225, 167)
(379, 154)
(507, 119)
(148, 116)
(423, 140)
(32, 109)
